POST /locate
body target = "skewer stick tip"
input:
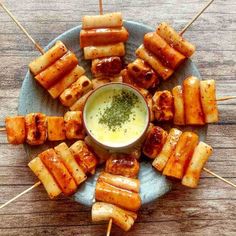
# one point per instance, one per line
(20, 194)
(219, 177)
(100, 7)
(109, 228)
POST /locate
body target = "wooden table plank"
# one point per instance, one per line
(209, 209)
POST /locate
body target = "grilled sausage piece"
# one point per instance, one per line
(36, 128)
(154, 142)
(175, 40)
(122, 164)
(57, 70)
(70, 163)
(208, 100)
(15, 128)
(179, 116)
(48, 58)
(142, 74)
(171, 141)
(162, 70)
(76, 91)
(168, 55)
(120, 181)
(57, 89)
(84, 157)
(123, 198)
(102, 211)
(192, 101)
(110, 20)
(93, 52)
(107, 66)
(179, 160)
(163, 105)
(104, 36)
(41, 171)
(200, 156)
(56, 128)
(53, 163)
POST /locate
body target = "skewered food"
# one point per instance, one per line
(56, 128)
(164, 51)
(58, 170)
(179, 113)
(93, 52)
(84, 156)
(120, 181)
(179, 160)
(201, 154)
(121, 197)
(76, 91)
(57, 89)
(57, 70)
(102, 36)
(208, 101)
(168, 55)
(163, 105)
(107, 66)
(53, 163)
(182, 157)
(163, 71)
(16, 131)
(156, 137)
(125, 165)
(193, 108)
(48, 58)
(194, 104)
(168, 148)
(175, 40)
(110, 20)
(69, 161)
(142, 74)
(41, 171)
(79, 104)
(74, 125)
(104, 212)
(35, 128)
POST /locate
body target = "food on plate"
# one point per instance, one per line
(16, 130)
(102, 211)
(36, 128)
(155, 139)
(102, 38)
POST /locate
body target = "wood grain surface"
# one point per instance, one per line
(208, 210)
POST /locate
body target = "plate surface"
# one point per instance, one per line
(33, 98)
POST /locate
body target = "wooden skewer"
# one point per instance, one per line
(100, 7)
(22, 193)
(219, 177)
(22, 28)
(109, 228)
(225, 98)
(195, 17)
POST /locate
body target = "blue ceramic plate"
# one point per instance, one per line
(34, 98)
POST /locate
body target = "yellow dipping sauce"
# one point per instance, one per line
(116, 116)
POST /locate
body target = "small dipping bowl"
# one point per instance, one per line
(116, 116)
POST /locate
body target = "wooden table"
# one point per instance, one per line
(208, 210)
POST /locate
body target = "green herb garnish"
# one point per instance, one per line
(119, 110)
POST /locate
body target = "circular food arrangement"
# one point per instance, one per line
(111, 112)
